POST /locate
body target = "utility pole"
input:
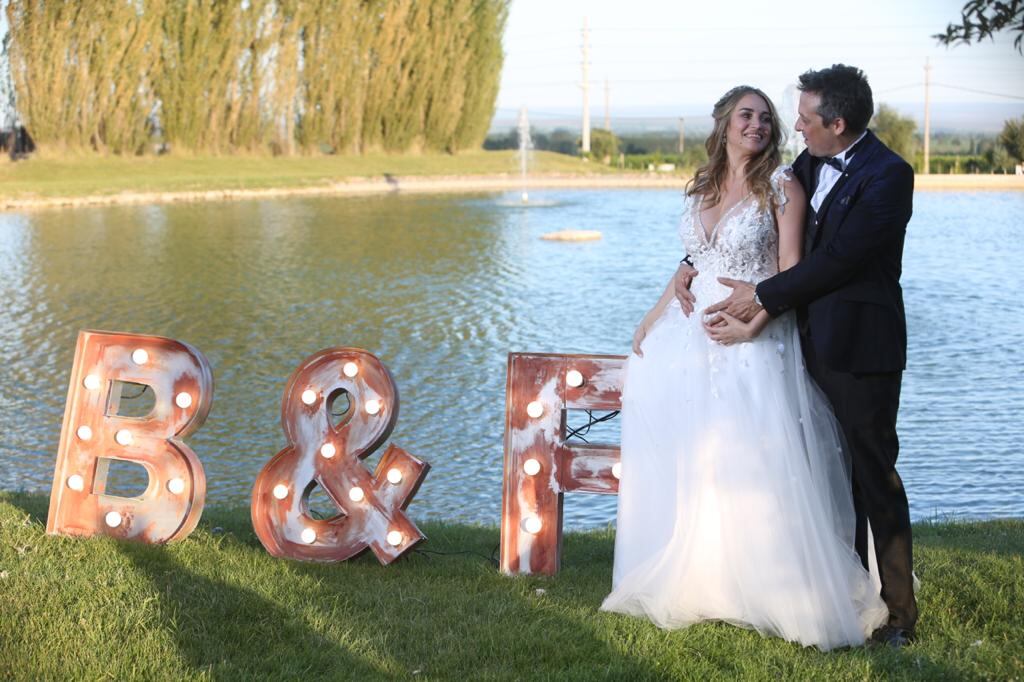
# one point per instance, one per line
(585, 136)
(682, 137)
(607, 107)
(927, 115)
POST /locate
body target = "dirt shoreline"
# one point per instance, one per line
(452, 184)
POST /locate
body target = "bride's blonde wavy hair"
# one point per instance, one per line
(707, 181)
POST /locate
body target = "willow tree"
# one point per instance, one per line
(223, 76)
(83, 72)
(336, 66)
(445, 86)
(483, 78)
(210, 76)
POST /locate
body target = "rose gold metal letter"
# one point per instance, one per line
(539, 464)
(93, 433)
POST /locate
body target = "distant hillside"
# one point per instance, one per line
(979, 117)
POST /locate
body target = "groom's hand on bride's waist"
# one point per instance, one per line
(683, 278)
(740, 303)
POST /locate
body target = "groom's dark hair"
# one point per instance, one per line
(844, 93)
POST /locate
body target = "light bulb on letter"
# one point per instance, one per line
(574, 378)
(531, 467)
(532, 524)
(535, 409)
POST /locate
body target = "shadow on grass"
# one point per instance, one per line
(710, 647)
(221, 629)
(454, 615)
(1001, 537)
(36, 506)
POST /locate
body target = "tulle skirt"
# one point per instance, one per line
(734, 498)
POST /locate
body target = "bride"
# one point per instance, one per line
(734, 499)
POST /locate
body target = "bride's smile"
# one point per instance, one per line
(750, 126)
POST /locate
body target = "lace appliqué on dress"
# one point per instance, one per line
(744, 244)
(782, 175)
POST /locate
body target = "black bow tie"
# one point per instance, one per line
(838, 163)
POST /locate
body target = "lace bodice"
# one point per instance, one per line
(743, 245)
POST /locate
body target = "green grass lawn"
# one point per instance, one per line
(76, 176)
(218, 606)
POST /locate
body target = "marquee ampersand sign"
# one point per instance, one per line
(320, 453)
(94, 433)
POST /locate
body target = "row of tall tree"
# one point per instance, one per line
(251, 75)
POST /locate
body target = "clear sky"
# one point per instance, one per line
(679, 56)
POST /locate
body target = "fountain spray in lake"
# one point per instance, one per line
(525, 144)
(788, 105)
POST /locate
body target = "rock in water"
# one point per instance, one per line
(572, 236)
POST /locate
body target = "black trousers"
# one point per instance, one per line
(865, 406)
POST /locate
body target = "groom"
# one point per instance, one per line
(849, 306)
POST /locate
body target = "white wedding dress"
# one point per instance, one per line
(734, 499)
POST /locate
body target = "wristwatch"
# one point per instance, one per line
(687, 260)
(757, 299)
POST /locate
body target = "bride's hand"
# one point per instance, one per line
(728, 330)
(640, 334)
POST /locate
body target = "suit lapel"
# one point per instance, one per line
(859, 161)
(811, 232)
(832, 193)
(805, 168)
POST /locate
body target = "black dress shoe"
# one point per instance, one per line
(893, 636)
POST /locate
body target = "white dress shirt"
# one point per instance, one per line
(828, 176)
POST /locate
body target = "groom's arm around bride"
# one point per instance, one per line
(848, 300)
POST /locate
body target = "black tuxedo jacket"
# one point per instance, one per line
(847, 286)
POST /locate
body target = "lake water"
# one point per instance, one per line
(441, 288)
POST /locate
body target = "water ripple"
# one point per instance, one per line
(442, 288)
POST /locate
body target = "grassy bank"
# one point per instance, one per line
(88, 175)
(218, 606)
(42, 182)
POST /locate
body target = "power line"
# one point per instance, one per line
(534, 114)
(979, 92)
(761, 62)
(895, 45)
(712, 79)
(728, 29)
(898, 88)
(550, 48)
